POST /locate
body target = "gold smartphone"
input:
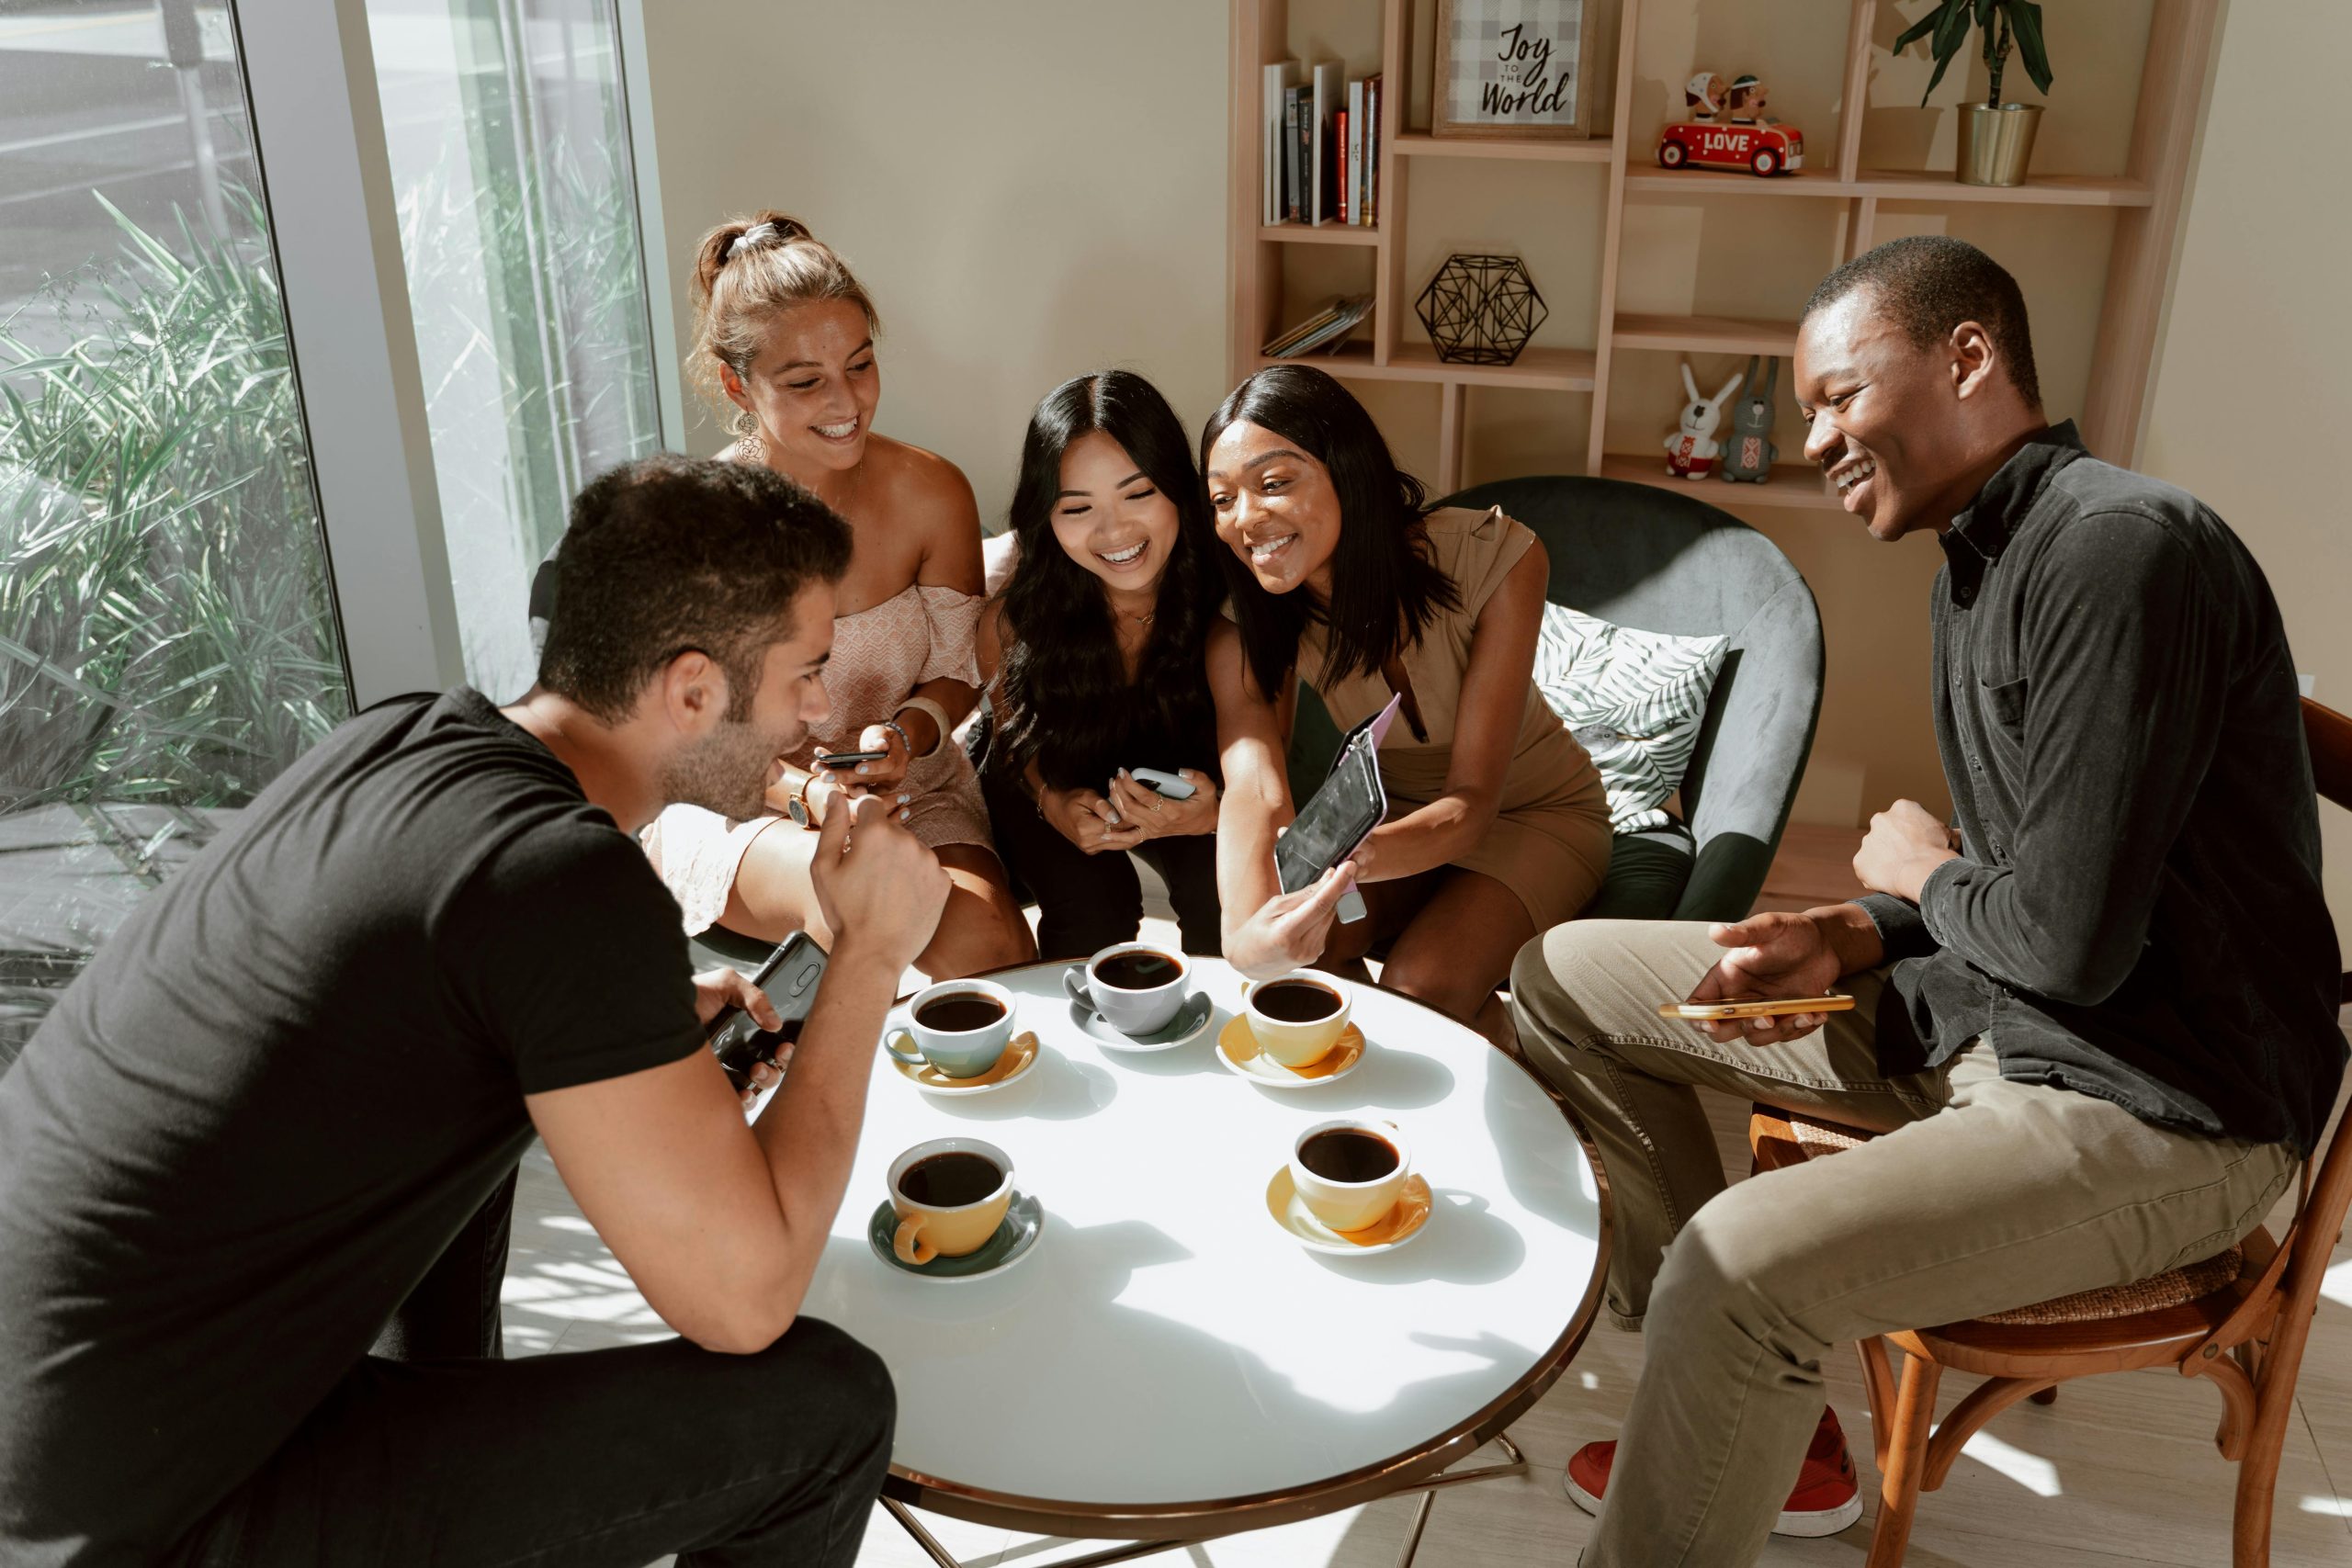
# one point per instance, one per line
(1775, 1007)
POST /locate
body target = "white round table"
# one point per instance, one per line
(1167, 1362)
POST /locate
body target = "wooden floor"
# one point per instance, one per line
(2121, 1470)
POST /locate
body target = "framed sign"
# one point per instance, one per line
(1527, 70)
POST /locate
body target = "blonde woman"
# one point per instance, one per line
(784, 350)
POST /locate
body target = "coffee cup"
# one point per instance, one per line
(950, 1195)
(960, 1027)
(1296, 1019)
(1137, 987)
(1349, 1172)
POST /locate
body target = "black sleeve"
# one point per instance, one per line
(566, 947)
(1902, 930)
(2123, 656)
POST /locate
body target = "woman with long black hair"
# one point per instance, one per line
(1097, 641)
(1342, 574)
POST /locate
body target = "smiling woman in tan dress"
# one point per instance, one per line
(785, 349)
(1498, 825)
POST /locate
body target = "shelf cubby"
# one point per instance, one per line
(2141, 201)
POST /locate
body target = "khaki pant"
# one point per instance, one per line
(1984, 1195)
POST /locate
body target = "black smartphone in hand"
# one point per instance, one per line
(788, 977)
(849, 759)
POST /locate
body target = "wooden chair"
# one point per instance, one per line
(2239, 1320)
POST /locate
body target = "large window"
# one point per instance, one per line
(167, 637)
(504, 124)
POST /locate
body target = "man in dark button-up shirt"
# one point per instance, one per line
(2095, 1026)
(2136, 911)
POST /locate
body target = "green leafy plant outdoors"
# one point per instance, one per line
(2003, 24)
(165, 631)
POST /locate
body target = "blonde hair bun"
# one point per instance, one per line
(747, 271)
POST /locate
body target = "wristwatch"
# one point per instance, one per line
(797, 806)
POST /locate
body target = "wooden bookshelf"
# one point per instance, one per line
(1537, 369)
(1791, 485)
(2144, 200)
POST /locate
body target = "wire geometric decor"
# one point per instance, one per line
(1481, 310)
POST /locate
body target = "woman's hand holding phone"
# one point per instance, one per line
(1162, 817)
(1087, 820)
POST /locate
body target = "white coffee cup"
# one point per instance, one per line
(1131, 1010)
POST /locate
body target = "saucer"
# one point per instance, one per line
(1238, 1049)
(1187, 1026)
(1020, 1053)
(1015, 1239)
(1408, 1219)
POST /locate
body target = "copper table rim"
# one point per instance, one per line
(1228, 1515)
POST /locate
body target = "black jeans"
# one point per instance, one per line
(435, 1450)
(1085, 902)
(601, 1457)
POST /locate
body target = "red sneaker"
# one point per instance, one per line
(1824, 1502)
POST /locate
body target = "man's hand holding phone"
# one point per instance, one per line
(1777, 955)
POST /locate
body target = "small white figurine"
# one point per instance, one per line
(1691, 450)
(1702, 95)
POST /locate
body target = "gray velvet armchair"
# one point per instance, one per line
(1667, 561)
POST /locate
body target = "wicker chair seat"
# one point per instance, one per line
(2173, 1286)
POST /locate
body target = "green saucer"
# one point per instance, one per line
(1015, 1239)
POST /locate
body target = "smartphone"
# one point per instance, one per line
(789, 977)
(1775, 1007)
(1167, 786)
(1340, 816)
(849, 759)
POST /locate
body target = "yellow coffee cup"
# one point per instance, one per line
(1296, 1019)
(950, 1195)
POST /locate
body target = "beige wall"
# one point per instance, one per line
(1029, 190)
(2258, 342)
(1033, 190)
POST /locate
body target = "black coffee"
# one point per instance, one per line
(1137, 971)
(950, 1181)
(1348, 1154)
(1295, 1001)
(960, 1012)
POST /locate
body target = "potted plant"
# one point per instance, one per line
(1996, 138)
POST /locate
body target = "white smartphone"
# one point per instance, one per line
(1166, 785)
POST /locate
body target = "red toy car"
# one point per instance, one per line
(1766, 148)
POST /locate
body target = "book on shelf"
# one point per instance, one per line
(1330, 90)
(1303, 145)
(1353, 214)
(1278, 76)
(1370, 206)
(1346, 166)
(1327, 328)
(1294, 203)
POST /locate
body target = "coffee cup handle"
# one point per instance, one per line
(894, 1030)
(908, 1246)
(1074, 982)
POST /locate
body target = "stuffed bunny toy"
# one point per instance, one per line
(1690, 451)
(1749, 454)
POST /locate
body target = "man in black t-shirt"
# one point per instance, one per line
(247, 1132)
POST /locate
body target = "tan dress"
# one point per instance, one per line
(1549, 841)
(880, 654)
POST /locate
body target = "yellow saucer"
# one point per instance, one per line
(1020, 1056)
(1399, 1225)
(1236, 1047)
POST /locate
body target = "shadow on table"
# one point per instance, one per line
(1390, 1079)
(1556, 1186)
(1060, 1088)
(1466, 1245)
(1148, 1371)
